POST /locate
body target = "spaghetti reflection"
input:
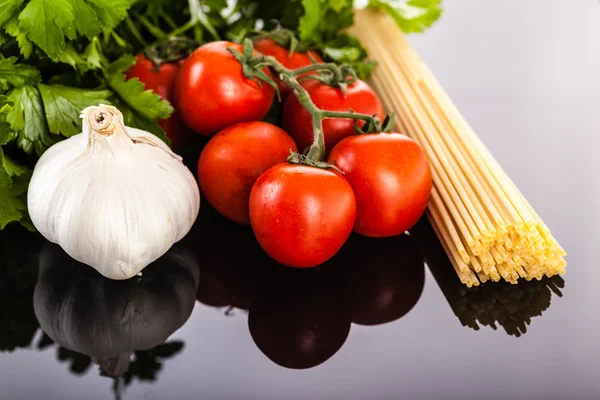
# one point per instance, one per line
(491, 304)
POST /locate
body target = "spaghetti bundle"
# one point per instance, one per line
(487, 228)
(512, 307)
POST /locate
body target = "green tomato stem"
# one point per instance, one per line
(352, 115)
(316, 151)
(331, 67)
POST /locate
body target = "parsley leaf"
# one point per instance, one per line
(46, 23)
(135, 120)
(25, 45)
(5, 179)
(13, 204)
(310, 21)
(5, 105)
(8, 9)
(413, 15)
(27, 118)
(146, 103)
(344, 18)
(16, 75)
(216, 4)
(8, 168)
(6, 135)
(140, 107)
(63, 105)
(70, 56)
(337, 5)
(110, 12)
(12, 168)
(93, 55)
(121, 65)
(344, 49)
(85, 18)
(344, 54)
(13, 178)
(312, 27)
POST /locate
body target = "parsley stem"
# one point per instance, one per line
(135, 32)
(175, 32)
(169, 21)
(153, 29)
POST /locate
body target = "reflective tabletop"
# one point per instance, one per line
(215, 318)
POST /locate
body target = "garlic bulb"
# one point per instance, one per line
(113, 197)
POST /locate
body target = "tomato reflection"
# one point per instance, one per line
(300, 318)
(386, 277)
(232, 263)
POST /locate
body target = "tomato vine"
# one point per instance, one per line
(336, 75)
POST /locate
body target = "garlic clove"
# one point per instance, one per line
(113, 197)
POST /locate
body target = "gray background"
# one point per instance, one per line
(525, 74)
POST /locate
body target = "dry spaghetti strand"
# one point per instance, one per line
(487, 227)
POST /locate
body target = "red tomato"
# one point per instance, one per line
(301, 215)
(391, 178)
(211, 91)
(233, 159)
(161, 81)
(268, 47)
(298, 123)
(176, 130)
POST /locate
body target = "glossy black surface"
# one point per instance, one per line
(258, 329)
(384, 319)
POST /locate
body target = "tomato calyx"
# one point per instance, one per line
(375, 126)
(347, 77)
(301, 159)
(172, 50)
(251, 68)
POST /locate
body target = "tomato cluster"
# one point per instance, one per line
(300, 214)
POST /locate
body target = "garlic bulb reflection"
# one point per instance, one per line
(109, 320)
(113, 197)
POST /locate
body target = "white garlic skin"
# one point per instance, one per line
(116, 202)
